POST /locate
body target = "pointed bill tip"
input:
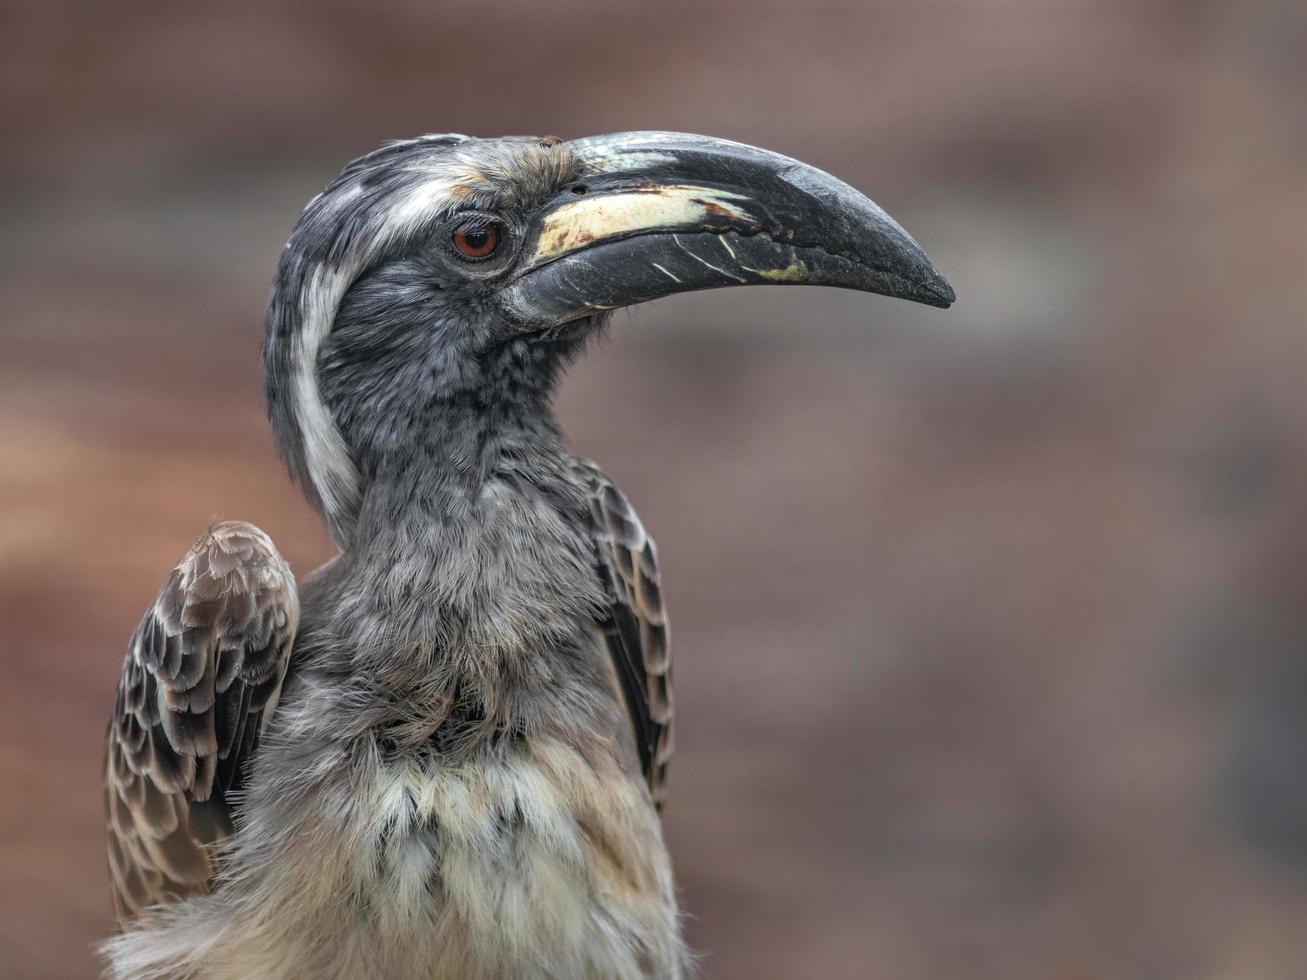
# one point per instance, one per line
(942, 293)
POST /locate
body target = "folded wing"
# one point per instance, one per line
(199, 683)
(635, 629)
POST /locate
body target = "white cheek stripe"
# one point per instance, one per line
(591, 219)
(326, 454)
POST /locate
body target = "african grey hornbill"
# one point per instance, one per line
(455, 770)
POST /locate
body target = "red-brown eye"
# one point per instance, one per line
(476, 239)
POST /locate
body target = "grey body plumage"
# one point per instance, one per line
(454, 769)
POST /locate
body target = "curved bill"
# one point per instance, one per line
(653, 214)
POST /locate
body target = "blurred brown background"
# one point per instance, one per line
(988, 624)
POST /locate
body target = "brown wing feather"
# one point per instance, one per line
(205, 665)
(635, 630)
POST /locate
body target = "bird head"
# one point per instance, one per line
(451, 274)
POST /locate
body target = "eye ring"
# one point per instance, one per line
(477, 238)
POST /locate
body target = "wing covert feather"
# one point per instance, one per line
(200, 679)
(635, 629)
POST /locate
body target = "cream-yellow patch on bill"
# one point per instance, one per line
(650, 208)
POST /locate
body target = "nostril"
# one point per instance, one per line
(578, 189)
